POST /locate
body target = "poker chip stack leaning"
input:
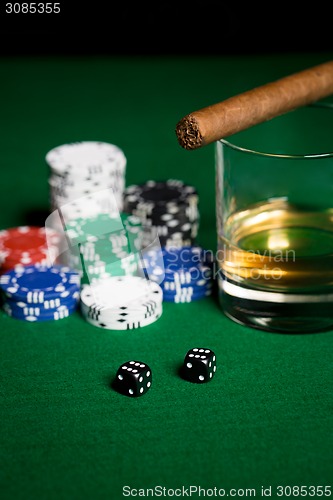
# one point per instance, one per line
(79, 171)
(27, 245)
(184, 274)
(39, 293)
(122, 303)
(167, 209)
(108, 245)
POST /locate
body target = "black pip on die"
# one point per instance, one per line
(199, 365)
(133, 378)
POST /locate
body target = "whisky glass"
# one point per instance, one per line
(274, 211)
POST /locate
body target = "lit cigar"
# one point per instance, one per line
(255, 106)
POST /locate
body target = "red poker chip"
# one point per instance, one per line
(20, 240)
(27, 245)
(28, 260)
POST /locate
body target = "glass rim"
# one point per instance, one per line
(284, 155)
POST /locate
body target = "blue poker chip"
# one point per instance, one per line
(180, 298)
(191, 276)
(186, 293)
(183, 257)
(24, 309)
(174, 286)
(47, 304)
(37, 283)
(35, 315)
(171, 287)
(186, 265)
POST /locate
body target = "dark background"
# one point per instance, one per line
(182, 28)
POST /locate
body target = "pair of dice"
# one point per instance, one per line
(134, 378)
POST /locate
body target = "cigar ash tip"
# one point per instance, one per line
(188, 133)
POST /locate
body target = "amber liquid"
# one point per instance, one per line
(276, 261)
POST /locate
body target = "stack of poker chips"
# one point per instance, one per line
(81, 170)
(108, 245)
(122, 303)
(184, 274)
(169, 214)
(39, 293)
(168, 210)
(27, 245)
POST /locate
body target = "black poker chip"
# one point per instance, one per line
(168, 209)
(160, 193)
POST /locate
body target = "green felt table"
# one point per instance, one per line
(266, 417)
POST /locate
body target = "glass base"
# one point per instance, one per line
(285, 317)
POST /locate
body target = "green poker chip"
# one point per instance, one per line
(108, 246)
(102, 227)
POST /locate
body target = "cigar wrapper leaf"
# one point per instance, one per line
(237, 113)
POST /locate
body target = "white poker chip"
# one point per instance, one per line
(87, 156)
(148, 308)
(121, 292)
(122, 324)
(121, 315)
(86, 178)
(73, 207)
